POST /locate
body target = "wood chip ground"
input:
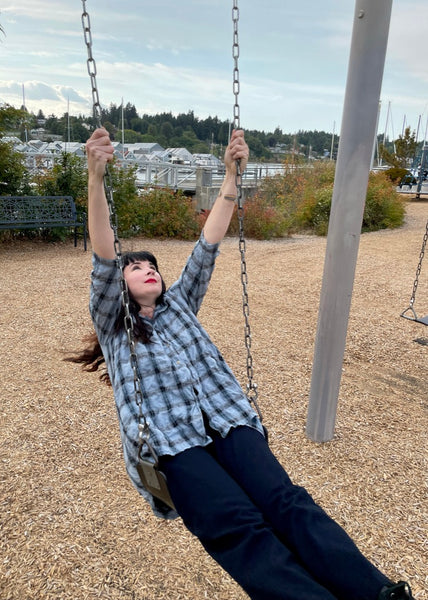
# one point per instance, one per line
(72, 526)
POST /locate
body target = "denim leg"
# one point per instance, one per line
(319, 543)
(233, 531)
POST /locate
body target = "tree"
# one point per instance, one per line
(10, 118)
(132, 137)
(167, 130)
(152, 131)
(223, 133)
(256, 147)
(405, 146)
(68, 177)
(14, 176)
(405, 150)
(130, 114)
(126, 198)
(79, 133)
(110, 128)
(137, 124)
(189, 139)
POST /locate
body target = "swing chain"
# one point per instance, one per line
(143, 428)
(419, 267)
(252, 391)
(235, 53)
(92, 67)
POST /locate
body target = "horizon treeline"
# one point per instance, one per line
(209, 135)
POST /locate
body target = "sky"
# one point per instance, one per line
(176, 56)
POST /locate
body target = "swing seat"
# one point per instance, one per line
(413, 316)
(154, 481)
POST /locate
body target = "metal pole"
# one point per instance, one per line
(424, 161)
(375, 141)
(365, 71)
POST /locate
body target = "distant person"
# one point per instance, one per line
(225, 483)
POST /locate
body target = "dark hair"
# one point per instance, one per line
(91, 357)
(131, 257)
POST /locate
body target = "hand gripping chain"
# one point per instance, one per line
(252, 392)
(108, 187)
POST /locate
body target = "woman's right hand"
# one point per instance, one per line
(99, 151)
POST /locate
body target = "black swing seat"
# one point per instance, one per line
(423, 320)
(413, 316)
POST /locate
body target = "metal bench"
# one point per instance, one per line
(42, 212)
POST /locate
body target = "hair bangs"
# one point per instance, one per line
(143, 255)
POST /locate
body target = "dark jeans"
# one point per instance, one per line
(267, 533)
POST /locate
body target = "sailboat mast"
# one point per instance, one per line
(25, 109)
(332, 140)
(123, 133)
(68, 123)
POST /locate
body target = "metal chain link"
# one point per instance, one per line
(92, 68)
(235, 54)
(410, 308)
(252, 391)
(143, 428)
(419, 267)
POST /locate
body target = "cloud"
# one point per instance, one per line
(40, 91)
(72, 33)
(406, 58)
(41, 54)
(292, 67)
(40, 95)
(154, 45)
(10, 87)
(39, 10)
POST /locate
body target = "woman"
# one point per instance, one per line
(226, 485)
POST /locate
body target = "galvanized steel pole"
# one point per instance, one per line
(364, 81)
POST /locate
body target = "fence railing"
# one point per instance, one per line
(177, 176)
(189, 177)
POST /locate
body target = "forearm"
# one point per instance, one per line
(99, 151)
(100, 231)
(218, 220)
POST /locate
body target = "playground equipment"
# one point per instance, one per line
(365, 72)
(410, 312)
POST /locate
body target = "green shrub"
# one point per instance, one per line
(164, 213)
(299, 200)
(314, 212)
(125, 197)
(395, 174)
(262, 220)
(384, 207)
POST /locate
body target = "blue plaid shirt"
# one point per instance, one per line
(183, 374)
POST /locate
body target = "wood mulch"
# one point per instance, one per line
(72, 526)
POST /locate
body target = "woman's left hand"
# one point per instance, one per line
(236, 150)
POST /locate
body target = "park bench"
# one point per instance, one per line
(42, 212)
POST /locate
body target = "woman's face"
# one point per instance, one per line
(144, 282)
